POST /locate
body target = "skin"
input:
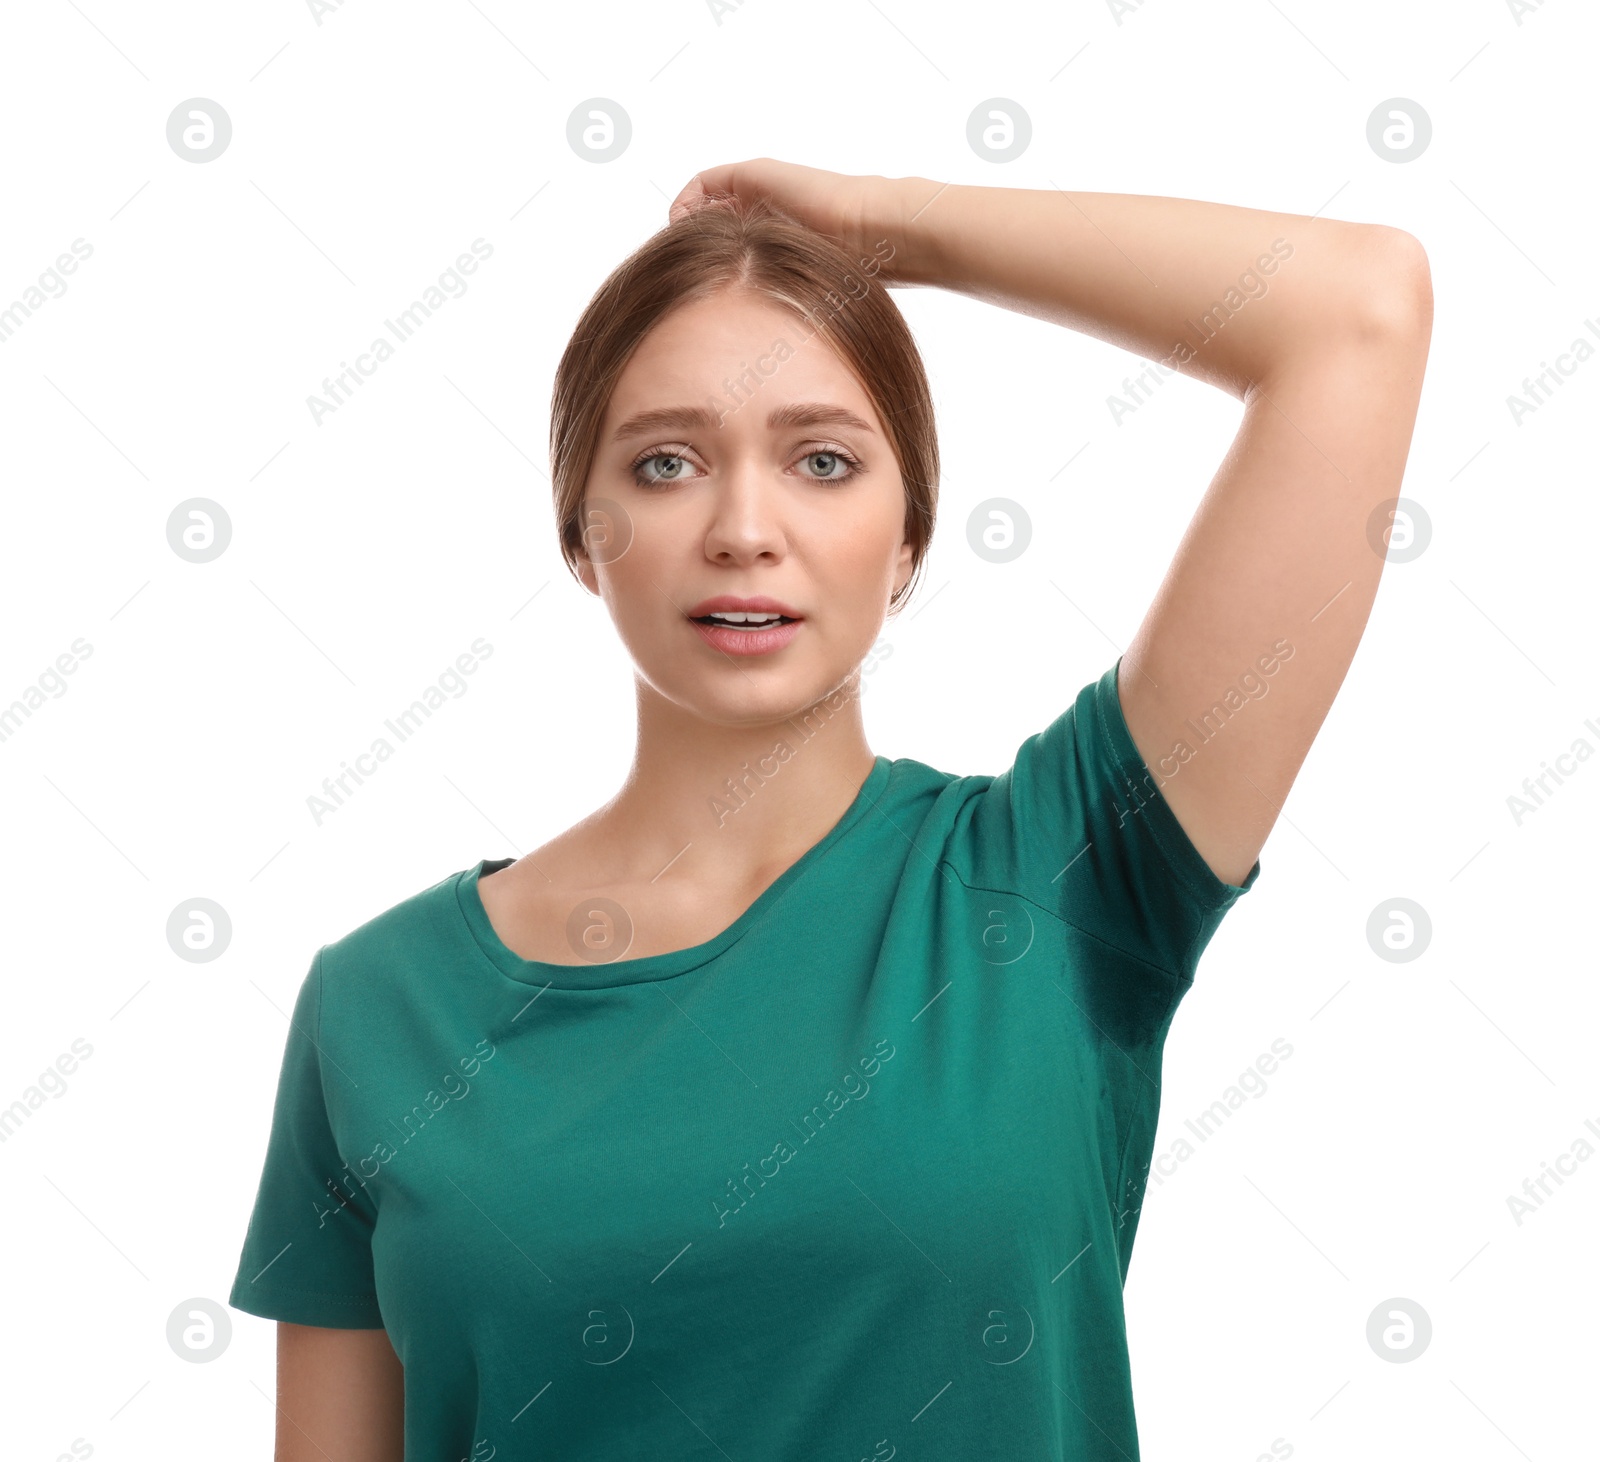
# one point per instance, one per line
(742, 507)
(1328, 363)
(341, 1393)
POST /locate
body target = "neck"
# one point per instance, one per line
(725, 803)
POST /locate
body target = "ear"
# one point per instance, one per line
(585, 572)
(902, 572)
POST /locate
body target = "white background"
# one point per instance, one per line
(369, 551)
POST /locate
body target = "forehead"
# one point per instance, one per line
(724, 348)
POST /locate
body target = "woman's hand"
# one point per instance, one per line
(858, 213)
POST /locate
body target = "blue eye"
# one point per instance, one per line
(645, 479)
(836, 455)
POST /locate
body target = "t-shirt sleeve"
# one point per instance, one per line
(307, 1255)
(1079, 825)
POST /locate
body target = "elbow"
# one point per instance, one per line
(1394, 290)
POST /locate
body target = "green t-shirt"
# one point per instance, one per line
(861, 1174)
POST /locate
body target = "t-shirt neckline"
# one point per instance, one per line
(653, 966)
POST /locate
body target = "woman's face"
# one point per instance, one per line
(740, 457)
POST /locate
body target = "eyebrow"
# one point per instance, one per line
(799, 413)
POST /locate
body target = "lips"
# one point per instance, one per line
(744, 640)
(737, 604)
(732, 641)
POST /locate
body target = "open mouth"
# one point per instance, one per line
(744, 621)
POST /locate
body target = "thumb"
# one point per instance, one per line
(691, 196)
(726, 183)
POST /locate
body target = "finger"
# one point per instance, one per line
(689, 197)
(723, 180)
(728, 181)
(704, 187)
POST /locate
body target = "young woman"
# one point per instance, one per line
(798, 1102)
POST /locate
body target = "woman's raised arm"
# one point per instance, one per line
(1320, 327)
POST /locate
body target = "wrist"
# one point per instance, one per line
(905, 222)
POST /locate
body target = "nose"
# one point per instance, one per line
(746, 521)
